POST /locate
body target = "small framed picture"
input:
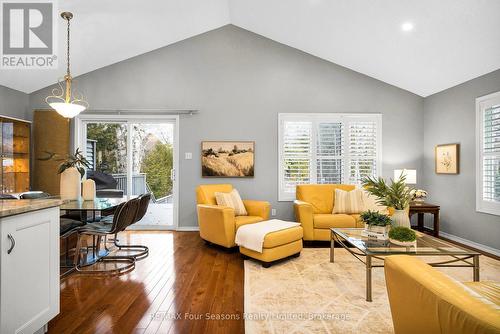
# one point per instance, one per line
(227, 158)
(447, 158)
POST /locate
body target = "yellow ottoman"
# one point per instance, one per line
(277, 245)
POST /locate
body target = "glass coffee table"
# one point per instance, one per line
(367, 250)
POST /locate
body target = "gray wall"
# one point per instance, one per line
(449, 117)
(13, 103)
(240, 81)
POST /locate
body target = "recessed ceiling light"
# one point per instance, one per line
(407, 26)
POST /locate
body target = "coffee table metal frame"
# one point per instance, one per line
(462, 259)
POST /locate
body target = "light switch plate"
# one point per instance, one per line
(188, 155)
(273, 212)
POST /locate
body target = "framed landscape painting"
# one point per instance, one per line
(227, 158)
(447, 158)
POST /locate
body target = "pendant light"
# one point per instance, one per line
(67, 103)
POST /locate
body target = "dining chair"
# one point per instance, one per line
(123, 217)
(34, 195)
(143, 200)
(68, 227)
(7, 196)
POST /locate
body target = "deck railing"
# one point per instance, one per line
(139, 186)
(138, 183)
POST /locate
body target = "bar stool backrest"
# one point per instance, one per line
(125, 215)
(144, 200)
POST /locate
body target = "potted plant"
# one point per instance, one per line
(376, 224)
(402, 236)
(72, 170)
(396, 195)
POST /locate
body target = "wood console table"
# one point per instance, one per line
(420, 208)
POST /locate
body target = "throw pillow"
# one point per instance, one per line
(348, 202)
(232, 200)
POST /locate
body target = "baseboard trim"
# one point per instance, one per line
(188, 228)
(150, 228)
(484, 248)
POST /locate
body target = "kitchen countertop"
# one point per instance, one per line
(14, 207)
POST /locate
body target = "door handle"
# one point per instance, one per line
(12, 243)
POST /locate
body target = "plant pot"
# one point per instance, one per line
(376, 232)
(403, 243)
(378, 229)
(400, 218)
(70, 186)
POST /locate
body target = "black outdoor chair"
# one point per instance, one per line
(105, 184)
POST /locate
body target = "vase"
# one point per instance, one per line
(401, 218)
(88, 190)
(70, 186)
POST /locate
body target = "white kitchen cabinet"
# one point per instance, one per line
(29, 270)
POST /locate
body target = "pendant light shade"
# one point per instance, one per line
(68, 110)
(62, 99)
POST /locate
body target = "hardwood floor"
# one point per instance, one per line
(181, 277)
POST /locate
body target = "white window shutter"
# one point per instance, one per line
(491, 154)
(362, 151)
(296, 155)
(329, 152)
(327, 149)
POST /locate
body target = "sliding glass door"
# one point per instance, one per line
(130, 157)
(153, 170)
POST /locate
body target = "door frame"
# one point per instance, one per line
(79, 134)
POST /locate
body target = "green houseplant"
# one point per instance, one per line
(374, 218)
(396, 195)
(376, 224)
(72, 170)
(77, 161)
(402, 236)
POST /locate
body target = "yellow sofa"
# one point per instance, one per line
(313, 210)
(424, 300)
(218, 224)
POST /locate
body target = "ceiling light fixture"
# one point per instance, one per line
(62, 100)
(407, 26)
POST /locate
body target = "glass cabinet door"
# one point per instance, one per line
(15, 144)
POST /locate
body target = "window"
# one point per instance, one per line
(488, 154)
(327, 148)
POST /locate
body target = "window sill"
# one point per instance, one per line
(489, 208)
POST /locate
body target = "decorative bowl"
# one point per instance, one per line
(403, 243)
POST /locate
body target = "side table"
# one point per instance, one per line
(420, 208)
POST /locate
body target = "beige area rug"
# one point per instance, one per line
(311, 295)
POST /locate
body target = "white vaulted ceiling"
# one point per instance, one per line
(452, 41)
(104, 32)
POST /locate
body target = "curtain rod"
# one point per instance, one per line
(161, 111)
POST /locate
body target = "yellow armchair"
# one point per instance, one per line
(424, 300)
(218, 224)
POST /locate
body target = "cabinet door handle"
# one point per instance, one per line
(12, 243)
